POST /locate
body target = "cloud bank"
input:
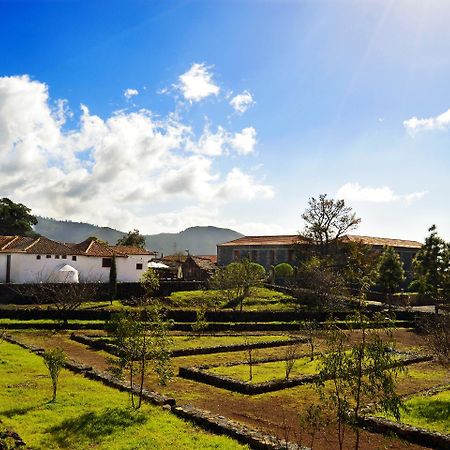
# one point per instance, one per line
(131, 169)
(440, 122)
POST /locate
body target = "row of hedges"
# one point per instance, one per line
(190, 315)
(17, 293)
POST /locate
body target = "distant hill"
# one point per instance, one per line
(198, 240)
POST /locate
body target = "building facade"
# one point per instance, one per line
(40, 260)
(272, 250)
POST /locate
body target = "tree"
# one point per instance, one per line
(237, 280)
(15, 219)
(360, 373)
(201, 324)
(54, 360)
(431, 268)
(319, 278)
(390, 273)
(64, 297)
(113, 279)
(139, 344)
(326, 221)
(312, 329)
(150, 282)
(249, 356)
(290, 358)
(132, 238)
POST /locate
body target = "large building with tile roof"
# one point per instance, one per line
(271, 250)
(39, 259)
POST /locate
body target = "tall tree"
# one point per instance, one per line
(327, 220)
(132, 238)
(390, 273)
(15, 219)
(431, 269)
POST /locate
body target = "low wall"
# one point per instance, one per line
(103, 344)
(202, 375)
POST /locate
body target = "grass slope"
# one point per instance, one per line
(87, 414)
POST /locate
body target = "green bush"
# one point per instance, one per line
(283, 270)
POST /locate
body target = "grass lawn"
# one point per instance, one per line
(429, 412)
(269, 371)
(87, 414)
(261, 298)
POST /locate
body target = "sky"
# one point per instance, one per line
(161, 115)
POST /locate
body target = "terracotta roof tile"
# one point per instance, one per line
(265, 240)
(370, 240)
(33, 245)
(130, 250)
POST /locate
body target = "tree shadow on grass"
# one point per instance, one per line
(94, 425)
(19, 411)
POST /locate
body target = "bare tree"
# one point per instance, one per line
(311, 328)
(326, 221)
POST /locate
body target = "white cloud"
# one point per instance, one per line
(242, 102)
(223, 142)
(197, 83)
(244, 142)
(129, 93)
(440, 122)
(357, 193)
(114, 171)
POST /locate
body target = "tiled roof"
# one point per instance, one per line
(129, 250)
(212, 258)
(33, 245)
(91, 247)
(265, 240)
(369, 240)
(292, 239)
(204, 263)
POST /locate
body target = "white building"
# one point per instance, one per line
(39, 259)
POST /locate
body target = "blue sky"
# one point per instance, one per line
(327, 92)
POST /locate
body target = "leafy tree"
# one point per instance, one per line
(113, 279)
(54, 360)
(141, 343)
(237, 280)
(150, 282)
(431, 268)
(361, 372)
(284, 270)
(326, 221)
(359, 270)
(390, 273)
(132, 238)
(15, 219)
(201, 324)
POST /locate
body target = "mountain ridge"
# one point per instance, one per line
(199, 240)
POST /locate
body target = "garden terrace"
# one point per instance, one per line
(269, 374)
(274, 413)
(86, 413)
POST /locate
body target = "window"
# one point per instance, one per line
(48, 256)
(138, 266)
(290, 255)
(236, 254)
(74, 258)
(56, 256)
(254, 255)
(38, 256)
(106, 262)
(64, 256)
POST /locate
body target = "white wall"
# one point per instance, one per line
(25, 268)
